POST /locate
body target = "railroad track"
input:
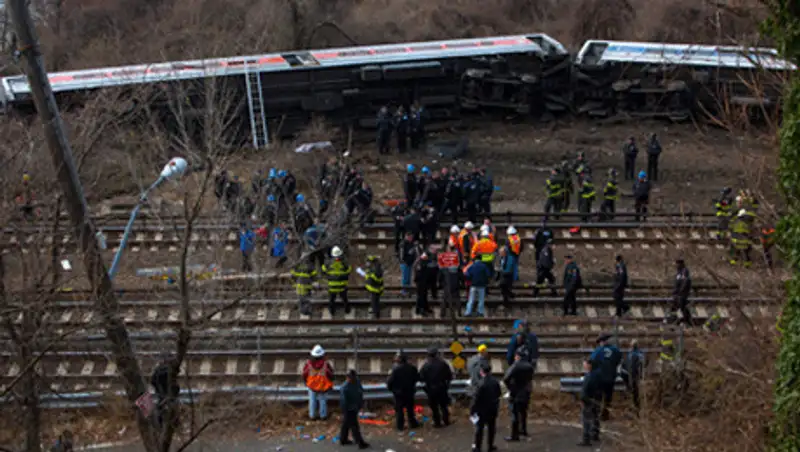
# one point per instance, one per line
(230, 287)
(224, 368)
(162, 314)
(212, 237)
(118, 214)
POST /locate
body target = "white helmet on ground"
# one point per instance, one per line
(336, 252)
(454, 229)
(511, 230)
(317, 351)
(742, 213)
(468, 225)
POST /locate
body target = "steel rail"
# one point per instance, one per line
(285, 283)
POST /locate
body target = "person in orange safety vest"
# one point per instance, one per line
(318, 377)
(514, 249)
(452, 240)
(465, 242)
(485, 249)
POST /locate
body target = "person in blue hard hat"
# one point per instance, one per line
(410, 184)
(641, 196)
(303, 213)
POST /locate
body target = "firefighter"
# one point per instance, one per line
(568, 187)
(374, 284)
(337, 270)
(555, 192)
(610, 196)
(581, 167)
(767, 242)
(723, 206)
(514, 249)
(485, 248)
(587, 197)
(304, 274)
(741, 243)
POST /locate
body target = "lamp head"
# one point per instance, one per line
(175, 168)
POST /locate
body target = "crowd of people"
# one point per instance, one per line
(484, 392)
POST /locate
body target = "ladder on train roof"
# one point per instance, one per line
(255, 104)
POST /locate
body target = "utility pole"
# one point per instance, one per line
(105, 301)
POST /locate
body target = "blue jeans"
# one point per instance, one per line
(481, 291)
(313, 399)
(406, 269)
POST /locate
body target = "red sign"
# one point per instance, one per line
(448, 260)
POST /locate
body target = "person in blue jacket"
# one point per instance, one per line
(605, 360)
(280, 237)
(523, 337)
(479, 274)
(247, 243)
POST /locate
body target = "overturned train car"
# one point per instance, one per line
(278, 94)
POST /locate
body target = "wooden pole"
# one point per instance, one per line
(105, 301)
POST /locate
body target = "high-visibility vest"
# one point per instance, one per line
(337, 272)
(485, 248)
(303, 275)
(610, 191)
(374, 283)
(317, 381)
(554, 189)
(515, 244)
(452, 242)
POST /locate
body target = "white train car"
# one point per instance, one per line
(348, 84)
(675, 80)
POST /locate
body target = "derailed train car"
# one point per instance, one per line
(278, 94)
(675, 80)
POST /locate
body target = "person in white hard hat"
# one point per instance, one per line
(514, 246)
(337, 270)
(318, 378)
(465, 241)
(452, 240)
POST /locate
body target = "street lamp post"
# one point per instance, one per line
(174, 169)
